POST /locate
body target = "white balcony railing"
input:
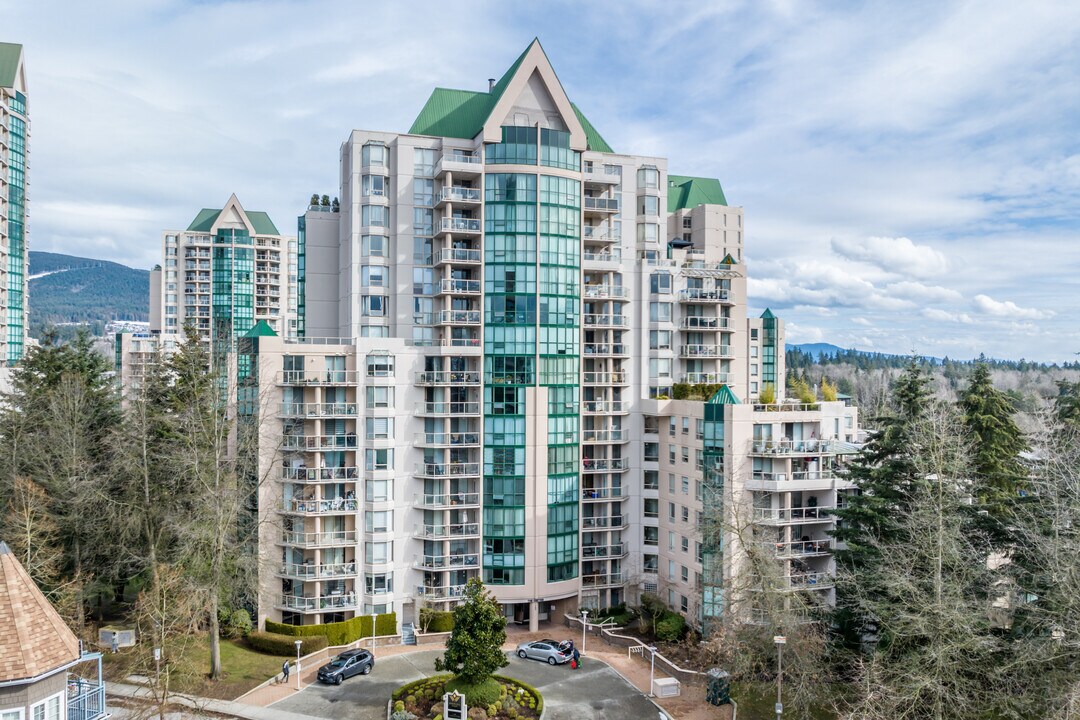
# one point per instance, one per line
(706, 351)
(699, 322)
(600, 204)
(702, 295)
(448, 408)
(460, 194)
(605, 407)
(605, 436)
(317, 475)
(319, 604)
(605, 320)
(464, 256)
(334, 506)
(604, 378)
(319, 539)
(783, 516)
(590, 465)
(311, 571)
(445, 439)
(442, 377)
(459, 287)
(445, 562)
(460, 225)
(455, 530)
(796, 447)
(603, 551)
(443, 501)
(318, 410)
(317, 377)
(704, 378)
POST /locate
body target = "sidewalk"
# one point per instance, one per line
(223, 707)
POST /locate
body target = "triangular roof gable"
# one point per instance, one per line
(723, 396)
(260, 329)
(728, 260)
(232, 213)
(533, 61)
(12, 71)
(768, 315)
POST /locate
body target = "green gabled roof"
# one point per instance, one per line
(260, 329)
(462, 113)
(723, 396)
(686, 192)
(768, 315)
(728, 260)
(259, 220)
(9, 63)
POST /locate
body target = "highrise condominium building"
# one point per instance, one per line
(501, 327)
(14, 145)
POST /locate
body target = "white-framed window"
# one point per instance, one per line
(659, 339)
(380, 365)
(378, 583)
(659, 312)
(379, 459)
(380, 396)
(753, 351)
(378, 553)
(648, 232)
(379, 428)
(379, 490)
(373, 276)
(373, 154)
(660, 283)
(648, 205)
(753, 369)
(17, 713)
(378, 520)
(648, 177)
(373, 306)
(374, 216)
(48, 709)
(373, 185)
(374, 245)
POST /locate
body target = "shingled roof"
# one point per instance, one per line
(34, 641)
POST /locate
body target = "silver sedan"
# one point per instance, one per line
(549, 653)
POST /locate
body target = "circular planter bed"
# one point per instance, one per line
(510, 699)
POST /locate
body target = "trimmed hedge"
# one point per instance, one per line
(528, 688)
(437, 620)
(278, 644)
(340, 633)
(411, 688)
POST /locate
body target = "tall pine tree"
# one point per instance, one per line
(997, 442)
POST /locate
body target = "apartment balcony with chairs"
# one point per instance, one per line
(801, 548)
(447, 562)
(311, 571)
(320, 442)
(602, 260)
(452, 470)
(332, 538)
(604, 292)
(459, 195)
(605, 320)
(706, 351)
(312, 475)
(603, 493)
(704, 324)
(442, 377)
(716, 378)
(453, 530)
(316, 377)
(600, 205)
(607, 522)
(318, 410)
(617, 435)
(447, 501)
(605, 407)
(617, 550)
(448, 439)
(617, 377)
(457, 317)
(462, 164)
(449, 592)
(335, 506)
(598, 581)
(459, 226)
(601, 465)
(324, 603)
(457, 256)
(799, 447)
(794, 516)
(606, 349)
(451, 286)
(701, 295)
(439, 409)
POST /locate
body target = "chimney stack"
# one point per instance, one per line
(491, 84)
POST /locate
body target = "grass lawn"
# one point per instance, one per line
(757, 701)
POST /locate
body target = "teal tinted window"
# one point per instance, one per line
(518, 147)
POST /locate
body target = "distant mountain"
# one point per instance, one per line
(818, 349)
(69, 289)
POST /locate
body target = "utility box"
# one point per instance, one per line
(718, 691)
(666, 687)
(125, 637)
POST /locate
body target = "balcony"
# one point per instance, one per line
(605, 320)
(450, 592)
(450, 286)
(599, 235)
(447, 562)
(594, 292)
(705, 378)
(448, 439)
(812, 477)
(801, 548)
(590, 465)
(315, 377)
(605, 407)
(605, 436)
(608, 257)
(457, 256)
(606, 349)
(793, 516)
(597, 581)
(319, 475)
(318, 410)
(337, 506)
(461, 164)
(602, 493)
(617, 550)
(457, 530)
(319, 442)
(446, 501)
(457, 194)
(447, 470)
(85, 696)
(335, 538)
(613, 522)
(457, 317)
(605, 378)
(310, 571)
(706, 351)
(318, 604)
(700, 295)
(439, 377)
(459, 226)
(603, 174)
(699, 322)
(601, 206)
(440, 409)
(798, 447)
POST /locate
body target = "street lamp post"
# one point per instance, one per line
(780, 640)
(372, 633)
(652, 670)
(298, 643)
(584, 622)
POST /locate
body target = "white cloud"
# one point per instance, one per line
(919, 292)
(897, 255)
(1008, 309)
(945, 316)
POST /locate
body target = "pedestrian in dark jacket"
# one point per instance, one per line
(577, 658)
(285, 672)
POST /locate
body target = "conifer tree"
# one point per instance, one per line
(997, 442)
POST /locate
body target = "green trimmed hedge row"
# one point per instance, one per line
(437, 620)
(278, 644)
(340, 633)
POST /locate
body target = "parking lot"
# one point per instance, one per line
(593, 691)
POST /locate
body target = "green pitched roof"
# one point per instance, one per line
(9, 63)
(260, 329)
(462, 113)
(259, 220)
(723, 396)
(768, 314)
(686, 192)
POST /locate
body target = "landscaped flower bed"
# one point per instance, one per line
(511, 700)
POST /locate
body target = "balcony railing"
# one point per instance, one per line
(702, 295)
(319, 604)
(459, 287)
(319, 442)
(459, 162)
(599, 204)
(802, 475)
(456, 530)
(445, 501)
(696, 322)
(319, 539)
(460, 194)
(442, 377)
(438, 470)
(445, 439)
(602, 493)
(316, 377)
(450, 592)
(783, 516)
(800, 548)
(463, 225)
(605, 378)
(457, 317)
(321, 507)
(316, 475)
(605, 320)
(706, 378)
(443, 562)
(605, 436)
(604, 291)
(601, 580)
(318, 410)
(615, 349)
(796, 447)
(607, 256)
(590, 465)
(456, 256)
(448, 408)
(604, 407)
(614, 521)
(607, 174)
(602, 551)
(311, 571)
(706, 351)
(85, 698)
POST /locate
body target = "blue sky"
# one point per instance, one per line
(910, 171)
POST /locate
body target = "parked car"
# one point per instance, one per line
(345, 665)
(546, 650)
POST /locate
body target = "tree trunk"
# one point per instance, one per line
(215, 639)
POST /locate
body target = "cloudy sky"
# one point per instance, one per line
(910, 171)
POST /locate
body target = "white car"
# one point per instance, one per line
(545, 650)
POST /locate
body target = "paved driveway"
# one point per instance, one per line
(594, 691)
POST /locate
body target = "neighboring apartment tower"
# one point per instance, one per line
(14, 147)
(227, 271)
(497, 318)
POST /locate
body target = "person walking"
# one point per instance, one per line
(285, 672)
(577, 658)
